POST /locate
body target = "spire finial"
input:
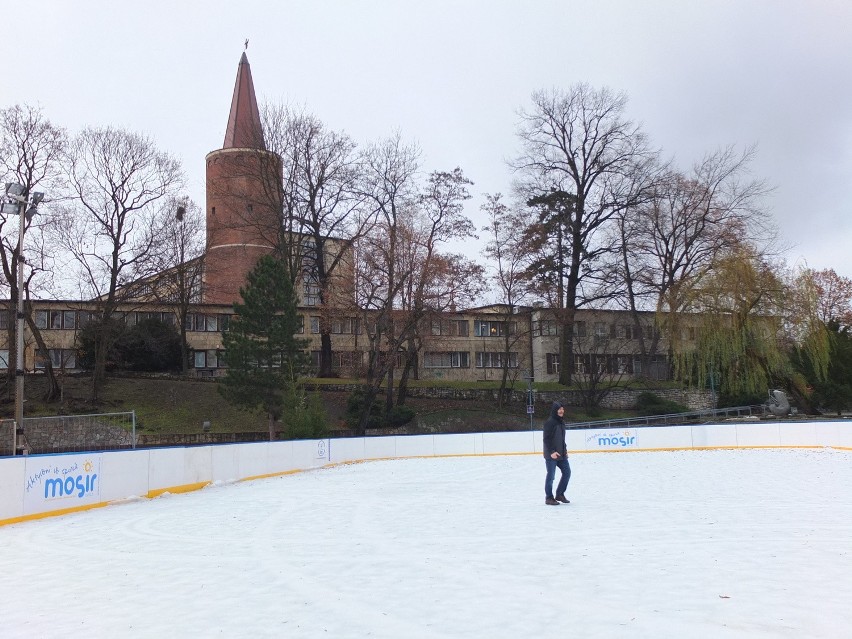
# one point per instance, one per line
(246, 44)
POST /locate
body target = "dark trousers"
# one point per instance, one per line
(564, 468)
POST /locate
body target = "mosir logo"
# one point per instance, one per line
(72, 485)
(75, 479)
(613, 439)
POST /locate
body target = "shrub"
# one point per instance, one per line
(151, 345)
(726, 400)
(397, 416)
(650, 404)
(306, 419)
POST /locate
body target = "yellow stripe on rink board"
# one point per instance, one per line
(185, 488)
(53, 513)
(278, 474)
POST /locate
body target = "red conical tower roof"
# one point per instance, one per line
(244, 128)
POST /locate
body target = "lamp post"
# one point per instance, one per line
(16, 203)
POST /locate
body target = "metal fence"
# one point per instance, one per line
(69, 433)
(675, 419)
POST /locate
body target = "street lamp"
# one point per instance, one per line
(16, 203)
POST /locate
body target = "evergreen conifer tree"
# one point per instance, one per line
(264, 358)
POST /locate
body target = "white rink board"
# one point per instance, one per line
(127, 473)
(145, 473)
(11, 485)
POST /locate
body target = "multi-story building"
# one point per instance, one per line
(243, 224)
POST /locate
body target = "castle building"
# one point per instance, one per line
(243, 197)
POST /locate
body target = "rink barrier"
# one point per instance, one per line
(38, 486)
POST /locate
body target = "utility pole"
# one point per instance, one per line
(17, 203)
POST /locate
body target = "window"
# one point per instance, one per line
(488, 328)
(622, 364)
(55, 319)
(601, 329)
(626, 331)
(580, 364)
(5, 317)
(546, 327)
(60, 358)
(4, 358)
(300, 319)
(346, 359)
(450, 328)
(496, 360)
(454, 359)
(345, 326)
(315, 324)
(579, 329)
(208, 359)
(201, 323)
(553, 363)
(312, 293)
(637, 365)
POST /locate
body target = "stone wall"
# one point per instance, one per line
(6, 426)
(617, 399)
(70, 433)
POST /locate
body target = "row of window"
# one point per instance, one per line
(353, 359)
(609, 364)
(60, 358)
(603, 330)
(461, 359)
(217, 323)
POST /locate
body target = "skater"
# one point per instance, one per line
(555, 455)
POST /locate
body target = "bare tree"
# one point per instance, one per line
(323, 208)
(603, 362)
(113, 225)
(31, 150)
(577, 143)
(834, 295)
(389, 172)
(670, 242)
(179, 263)
(508, 251)
(435, 281)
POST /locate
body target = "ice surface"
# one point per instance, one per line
(727, 543)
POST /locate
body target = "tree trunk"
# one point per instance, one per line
(271, 427)
(410, 361)
(325, 354)
(53, 390)
(371, 391)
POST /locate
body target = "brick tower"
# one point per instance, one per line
(243, 196)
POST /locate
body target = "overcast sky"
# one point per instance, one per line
(451, 75)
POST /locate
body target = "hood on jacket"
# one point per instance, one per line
(556, 406)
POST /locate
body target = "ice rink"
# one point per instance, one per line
(723, 543)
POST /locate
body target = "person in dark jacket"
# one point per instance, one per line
(555, 456)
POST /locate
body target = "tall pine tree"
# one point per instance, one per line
(263, 356)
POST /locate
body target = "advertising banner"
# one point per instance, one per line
(62, 481)
(612, 439)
